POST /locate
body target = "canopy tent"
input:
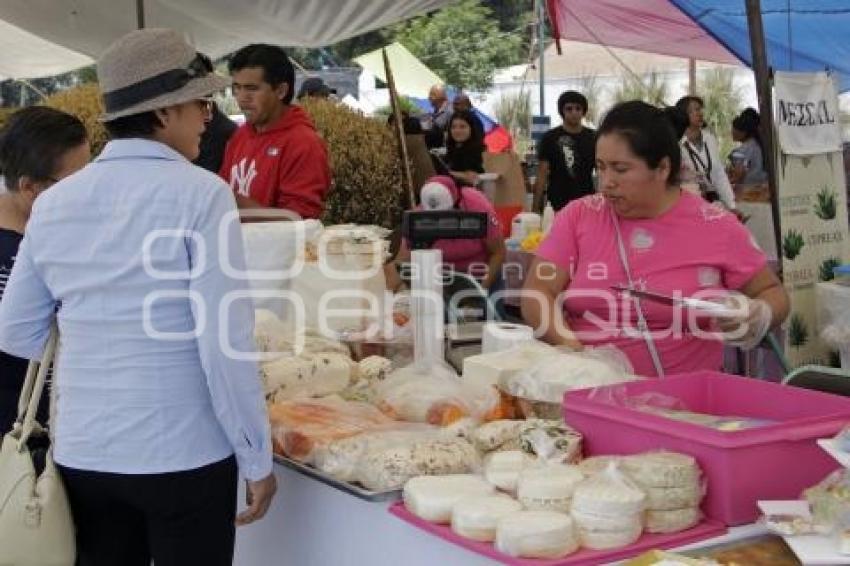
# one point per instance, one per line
(46, 37)
(412, 77)
(800, 35)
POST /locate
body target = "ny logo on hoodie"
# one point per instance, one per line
(241, 179)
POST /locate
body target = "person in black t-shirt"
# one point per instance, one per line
(38, 147)
(567, 156)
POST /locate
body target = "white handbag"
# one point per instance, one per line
(36, 527)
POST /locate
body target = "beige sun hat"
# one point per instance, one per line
(152, 68)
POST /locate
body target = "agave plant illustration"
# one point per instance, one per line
(826, 267)
(826, 205)
(792, 244)
(798, 332)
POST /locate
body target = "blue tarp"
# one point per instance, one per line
(800, 35)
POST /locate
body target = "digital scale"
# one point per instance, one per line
(423, 227)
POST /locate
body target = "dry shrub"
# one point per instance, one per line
(367, 178)
(85, 103)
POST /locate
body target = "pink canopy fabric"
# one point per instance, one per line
(656, 26)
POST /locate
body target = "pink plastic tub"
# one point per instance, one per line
(775, 461)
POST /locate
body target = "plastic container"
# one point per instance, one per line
(774, 461)
(505, 214)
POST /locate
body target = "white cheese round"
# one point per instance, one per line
(536, 534)
(432, 497)
(670, 498)
(662, 469)
(549, 487)
(609, 493)
(605, 540)
(475, 517)
(672, 521)
(502, 469)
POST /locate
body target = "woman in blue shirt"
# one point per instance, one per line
(158, 393)
(38, 147)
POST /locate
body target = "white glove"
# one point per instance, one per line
(748, 325)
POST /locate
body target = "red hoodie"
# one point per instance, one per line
(285, 166)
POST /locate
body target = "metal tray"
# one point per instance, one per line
(350, 488)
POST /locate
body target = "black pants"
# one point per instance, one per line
(177, 519)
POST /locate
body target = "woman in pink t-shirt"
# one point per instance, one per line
(482, 258)
(673, 242)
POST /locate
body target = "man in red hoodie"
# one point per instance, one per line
(276, 159)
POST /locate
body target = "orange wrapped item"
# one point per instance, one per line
(299, 426)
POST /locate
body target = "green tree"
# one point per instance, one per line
(461, 43)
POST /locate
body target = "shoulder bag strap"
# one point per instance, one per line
(642, 326)
(34, 385)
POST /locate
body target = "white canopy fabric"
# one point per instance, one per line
(47, 37)
(412, 77)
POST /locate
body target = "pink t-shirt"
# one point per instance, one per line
(695, 249)
(462, 255)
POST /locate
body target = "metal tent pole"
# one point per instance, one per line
(763, 87)
(541, 39)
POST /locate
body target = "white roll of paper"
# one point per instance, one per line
(500, 336)
(427, 308)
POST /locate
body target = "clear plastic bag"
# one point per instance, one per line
(437, 396)
(299, 426)
(540, 389)
(830, 499)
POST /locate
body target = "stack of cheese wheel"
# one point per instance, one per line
(475, 517)
(608, 510)
(433, 497)
(673, 488)
(548, 487)
(536, 534)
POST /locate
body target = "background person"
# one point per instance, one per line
(218, 132)
(39, 146)
(702, 154)
(465, 148)
(276, 159)
(566, 157)
(437, 122)
(482, 258)
(747, 160)
(673, 242)
(153, 418)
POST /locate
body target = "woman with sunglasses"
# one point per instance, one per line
(38, 147)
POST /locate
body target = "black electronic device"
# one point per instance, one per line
(423, 227)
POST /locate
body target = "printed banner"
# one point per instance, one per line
(806, 113)
(813, 207)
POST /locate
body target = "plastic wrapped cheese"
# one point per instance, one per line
(307, 376)
(549, 487)
(498, 435)
(432, 497)
(672, 521)
(609, 492)
(475, 517)
(502, 469)
(375, 368)
(536, 534)
(662, 469)
(388, 469)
